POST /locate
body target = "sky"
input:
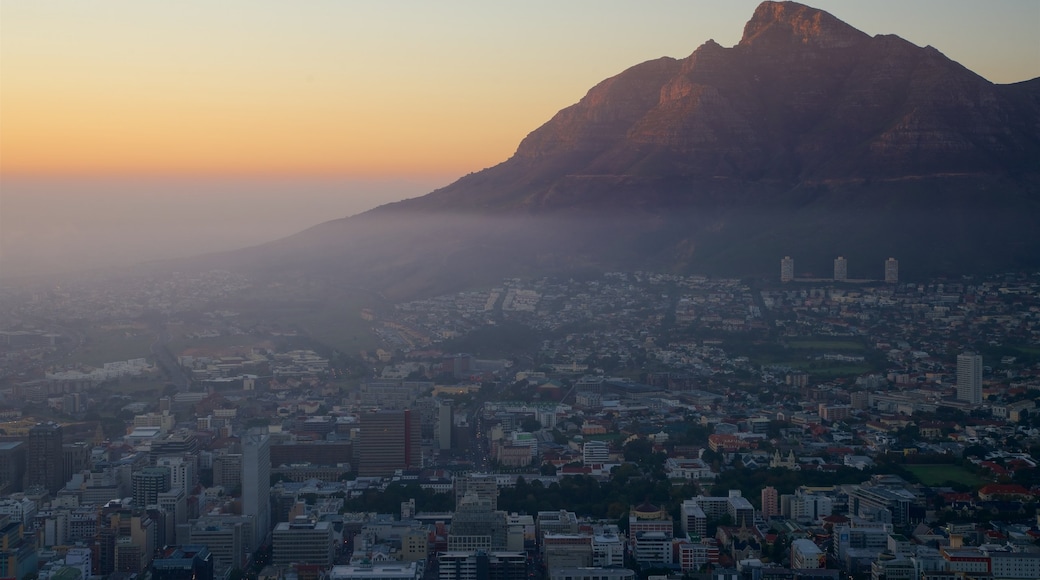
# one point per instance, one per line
(211, 125)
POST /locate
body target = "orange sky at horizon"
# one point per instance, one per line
(359, 89)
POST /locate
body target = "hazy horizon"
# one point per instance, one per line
(58, 225)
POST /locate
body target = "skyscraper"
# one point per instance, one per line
(787, 269)
(390, 440)
(969, 377)
(256, 481)
(841, 269)
(444, 426)
(44, 457)
(891, 270)
(147, 484)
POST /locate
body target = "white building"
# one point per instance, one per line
(969, 377)
(841, 269)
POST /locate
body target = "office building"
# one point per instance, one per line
(892, 270)
(567, 550)
(806, 554)
(229, 539)
(45, 458)
(183, 563)
(12, 466)
(182, 471)
(841, 269)
(444, 426)
(969, 377)
(303, 541)
(594, 573)
(474, 517)
(75, 458)
(483, 485)
(256, 481)
(787, 269)
(770, 502)
(147, 484)
(390, 440)
(482, 565)
(595, 453)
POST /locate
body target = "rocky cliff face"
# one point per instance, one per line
(808, 138)
(802, 97)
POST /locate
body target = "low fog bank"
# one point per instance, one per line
(52, 226)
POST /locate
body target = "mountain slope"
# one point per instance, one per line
(808, 138)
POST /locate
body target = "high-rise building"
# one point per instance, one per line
(770, 502)
(969, 377)
(841, 269)
(12, 466)
(891, 270)
(444, 426)
(256, 481)
(147, 484)
(44, 457)
(390, 440)
(787, 269)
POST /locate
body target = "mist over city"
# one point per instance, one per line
(715, 291)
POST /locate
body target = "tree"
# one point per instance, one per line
(530, 424)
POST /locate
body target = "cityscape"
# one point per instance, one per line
(520, 291)
(648, 424)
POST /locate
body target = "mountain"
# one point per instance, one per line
(808, 138)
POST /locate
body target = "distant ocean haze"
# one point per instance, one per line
(53, 225)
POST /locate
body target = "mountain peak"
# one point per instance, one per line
(775, 23)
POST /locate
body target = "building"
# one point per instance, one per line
(787, 269)
(594, 573)
(694, 519)
(474, 518)
(384, 571)
(608, 548)
(969, 377)
(806, 554)
(483, 485)
(892, 270)
(256, 481)
(229, 539)
(390, 440)
(650, 531)
(183, 563)
(45, 458)
(481, 566)
(556, 522)
(183, 472)
(770, 502)
(18, 558)
(841, 269)
(147, 484)
(12, 466)
(570, 550)
(445, 423)
(303, 541)
(595, 453)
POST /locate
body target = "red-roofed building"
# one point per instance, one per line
(1004, 491)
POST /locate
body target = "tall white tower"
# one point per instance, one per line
(841, 269)
(969, 377)
(787, 269)
(892, 270)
